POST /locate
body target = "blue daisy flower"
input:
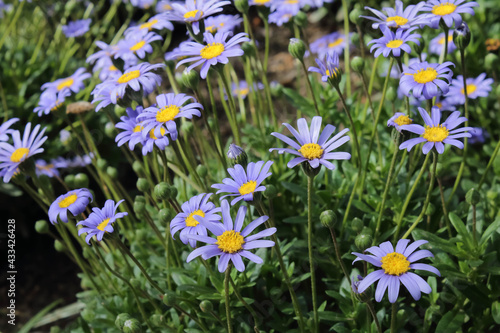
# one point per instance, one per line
(132, 128)
(157, 22)
(329, 68)
(334, 42)
(447, 10)
(195, 10)
(100, 221)
(5, 129)
(136, 44)
(476, 87)
(222, 23)
(397, 17)
(51, 101)
(74, 82)
(436, 45)
(426, 79)
(76, 28)
(394, 42)
(74, 201)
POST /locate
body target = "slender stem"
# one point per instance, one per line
(311, 90)
(354, 134)
(226, 293)
(345, 6)
(445, 211)
(444, 53)
(266, 45)
(370, 102)
(232, 106)
(490, 163)
(337, 253)
(393, 317)
(369, 304)
(246, 305)
(310, 247)
(474, 224)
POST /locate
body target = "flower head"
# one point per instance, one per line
(11, 156)
(222, 23)
(394, 42)
(100, 220)
(47, 169)
(157, 22)
(186, 222)
(334, 42)
(137, 44)
(435, 133)
(242, 90)
(396, 265)
(230, 242)
(329, 68)
(51, 101)
(195, 10)
(282, 15)
(313, 147)
(396, 17)
(217, 50)
(5, 129)
(476, 87)
(437, 44)
(426, 79)
(164, 6)
(244, 184)
(447, 10)
(74, 201)
(73, 83)
(76, 28)
(399, 119)
(132, 128)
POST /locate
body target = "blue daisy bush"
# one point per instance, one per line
(145, 138)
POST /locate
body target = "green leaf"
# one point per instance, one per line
(450, 322)
(495, 311)
(462, 230)
(331, 316)
(434, 241)
(492, 228)
(32, 322)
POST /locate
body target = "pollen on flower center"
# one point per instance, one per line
(152, 133)
(336, 43)
(441, 40)
(65, 84)
(68, 201)
(395, 264)
(425, 75)
(190, 220)
(333, 73)
(192, 14)
(167, 113)
(138, 128)
(398, 19)
(435, 133)
(394, 44)
(138, 46)
(311, 151)
(470, 89)
(19, 155)
(212, 50)
(248, 187)
(261, 2)
(443, 9)
(403, 120)
(148, 25)
(129, 76)
(230, 241)
(103, 224)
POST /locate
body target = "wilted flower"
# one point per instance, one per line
(100, 221)
(329, 68)
(74, 201)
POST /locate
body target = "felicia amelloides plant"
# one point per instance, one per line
(205, 176)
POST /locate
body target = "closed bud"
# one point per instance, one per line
(139, 208)
(81, 180)
(357, 225)
(157, 320)
(439, 169)
(102, 164)
(270, 192)
(169, 298)
(142, 184)
(109, 130)
(491, 195)
(472, 197)
(309, 170)
(112, 172)
(132, 326)
(391, 94)
(367, 231)
(358, 64)
(297, 48)
(59, 246)
(206, 306)
(300, 19)
(119, 111)
(173, 192)
(201, 170)
(121, 319)
(42, 227)
(491, 61)
(237, 155)
(162, 191)
(461, 36)
(419, 48)
(140, 198)
(363, 241)
(366, 295)
(190, 79)
(165, 215)
(241, 6)
(355, 15)
(88, 315)
(328, 218)
(138, 168)
(431, 208)
(355, 38)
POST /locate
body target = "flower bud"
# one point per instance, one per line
(42, 227)
(190, 79)
(119, 111)
(165, 215)
(439, 169)
(419, 48)
(297, 48)
(355, 38)
(81, 180)
(328, 218)
(300, 19)
(59, 246)
(162, 191)
(142, 184)
(472, 197)
(201, 170)
(102, 164)
(461, 36)
(206, 306)
(241, 6)
(364, 296)
(169, 298)
(132, 326)
(112, 172)
(391, 94)
(140, 198)
(309, 170)
(173, 192)
(491, 61)
(237, 155)
(431, 208)
(138, 168)
(357, 225)
(363, 241)
(121, 319)
(157, 320)
(355, 15)
(367, 231)
(270, 192)
(88, 315)
(109, 130)
(358, 64)
(139, 208)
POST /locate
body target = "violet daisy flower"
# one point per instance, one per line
(5, 129)
(231, 243)
(42, 167)
(435, 133)
(100, 220)
(137, 44)
(222, 23)
(164, 6)
(394, 42)
(76, 28)
(74, 82)
(334, 42)
(399, 119)
(157, 22)
(242, 90)
(51, 101)
(168, 108)
(131, 127)
(282, 15)
(397, 17)
(426, 79)
(11, 156)
(329, 68)
(396, 265)
(313, 147)
(448, 10)
(152, 140)
(436, 45)
(186, 222)
(244, 184)
(478, 135)
(444, 104)
(74, 201)
(476, 87)
(195, 10)
(102, 57)
(217, 50)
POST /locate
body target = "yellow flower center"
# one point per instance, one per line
(148, 25)
(393, 44)
(190, 221)
(435, 133)
(68, 201)
(261, 2)
(311, 151)
(167, 113)
(103, 224)
(230, 241)
(395, 264)
(425, 75)
(138, 46)
(129, 76)
(439, 105)
(56, 107)
(65, 84)
(192, 14)
(398, 19)
(333, 73)
(212, 29)
(441, 41)
(403, 120)
(242, 92)
(443, 9)
(212, 50)
(138, 128)
(112, 68)
(152, 133)
(167, 7)
(291, 2)
(470, 89)
(19, 155)
(336, 43)
(248, 187)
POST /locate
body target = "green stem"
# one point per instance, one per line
(393, 317)
(310, 248)
(369, 304)
(232, 106)
(490, 163)
(354, 134)
(310, 87)
(347, 66)
(444, 53)
(445, 210)
(246, 305)
(226, 293)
